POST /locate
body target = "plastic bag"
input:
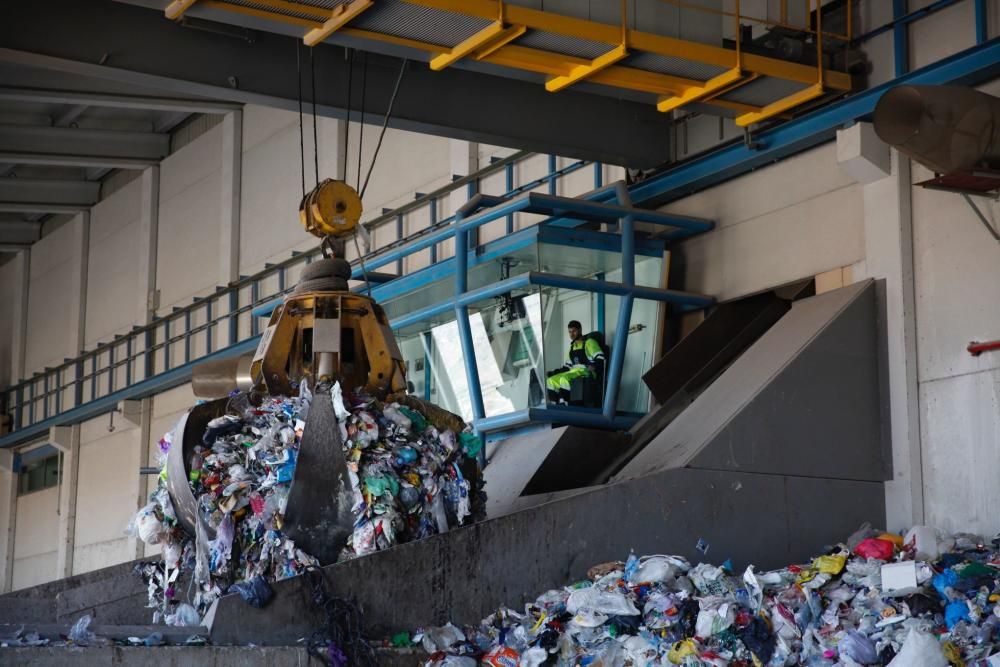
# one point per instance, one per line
(442, 638)
(603, 602)
(147, 526)
(79, 633)
(655, 569)
(920, 649)
(533, 657)
(256, 592)
(337, 396)
(875, 548)
(186, 615)
(858, 648)
(715, 616)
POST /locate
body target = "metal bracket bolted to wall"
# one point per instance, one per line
(982, 218)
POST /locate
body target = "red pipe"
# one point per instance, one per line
(975, 349)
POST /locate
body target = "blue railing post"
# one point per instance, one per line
(234, 305)
(433, 221)
(900, 38)
(462, 317)
(598, 175)
(254, 298)
(111, 367)
(602, 317)
(399, 237)
(78, 384)
(509, 185)
(187, 336)
(19, 405)
(209, 325)
(981, 24)
(552, 175)
(166, 344)
(45, 394)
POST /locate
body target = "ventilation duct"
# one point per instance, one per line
(944, 128)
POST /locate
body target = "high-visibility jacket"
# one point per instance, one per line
(584, 352)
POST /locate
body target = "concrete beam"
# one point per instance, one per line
(18, 234)
(456, 103)
(19, 340)
(68, 116)
(49, 191)
(68, 160)
(82, 98)
(76, 141)
(41, 207)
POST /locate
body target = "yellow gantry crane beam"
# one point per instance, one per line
(497, 44)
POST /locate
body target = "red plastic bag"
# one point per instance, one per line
(874, 547)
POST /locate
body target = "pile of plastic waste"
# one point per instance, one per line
(919, 600)
(406, 475)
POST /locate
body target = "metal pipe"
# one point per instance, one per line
(975, 349)
(944, 128)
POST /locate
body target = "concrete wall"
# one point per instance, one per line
(113, 267)
(36, 533)
(768, 233)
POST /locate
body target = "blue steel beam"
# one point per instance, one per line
(972, 66)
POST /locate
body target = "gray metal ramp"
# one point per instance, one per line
(805, 399)
(547, 462)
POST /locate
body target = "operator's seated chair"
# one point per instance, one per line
(588, 391)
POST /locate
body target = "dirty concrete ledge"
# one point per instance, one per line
(182, 656)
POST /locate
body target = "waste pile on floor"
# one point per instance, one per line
(920, 600)
(406, 475)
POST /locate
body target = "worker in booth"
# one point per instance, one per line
(585, 358)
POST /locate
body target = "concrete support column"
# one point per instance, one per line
(139, 413)
(67, 440)
(149, 222)
(229, 227)
(8, 518)
(20, 329)
(889, 255)
(78, 308)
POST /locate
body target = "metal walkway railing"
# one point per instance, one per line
(154, 357)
